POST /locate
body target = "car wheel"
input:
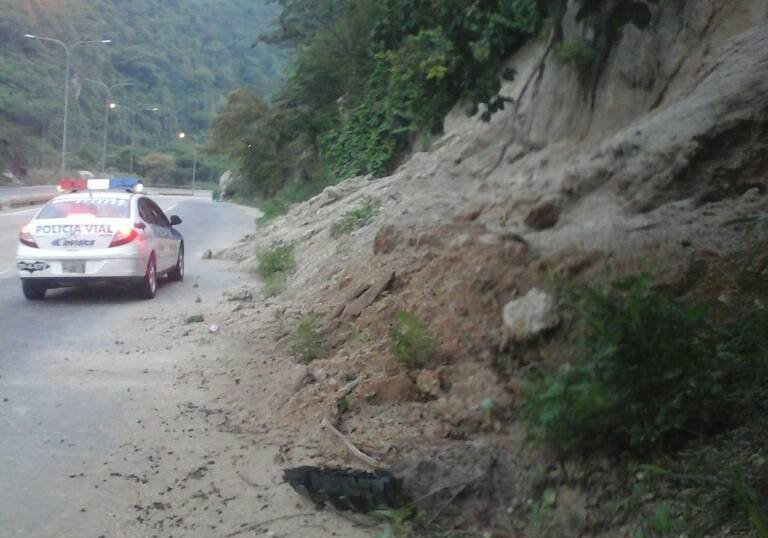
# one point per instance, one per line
(32, 290)
(177, 273)
(149, 284)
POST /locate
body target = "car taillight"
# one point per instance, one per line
(123, 235)
(26, 237)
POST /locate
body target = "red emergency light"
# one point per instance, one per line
(68, 184)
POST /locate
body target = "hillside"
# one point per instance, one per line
(551, 323)
(181, 56)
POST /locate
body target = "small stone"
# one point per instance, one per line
(529, 315)
(428, 382)
(198, 299)
(241, 295)
(543, 216)
(213, 328)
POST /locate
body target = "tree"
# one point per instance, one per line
(157, 166)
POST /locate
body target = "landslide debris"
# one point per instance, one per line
(480, 243)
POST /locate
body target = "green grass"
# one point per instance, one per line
(273, 265)
(411, 343)
(357, 218)
(307, 342)
(652, 372)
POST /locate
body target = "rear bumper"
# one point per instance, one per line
(96, 268)
(79, 282)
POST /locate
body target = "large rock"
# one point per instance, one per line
(226, 182)
(529, 316)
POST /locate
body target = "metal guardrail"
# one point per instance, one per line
(25, 201)
(30, 200)
(16, 202)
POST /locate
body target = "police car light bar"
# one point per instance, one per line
(127, 184)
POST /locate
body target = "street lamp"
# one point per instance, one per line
(110, 105)
(182, 136)
(68, 49)
(133, 112)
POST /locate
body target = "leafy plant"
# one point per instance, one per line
(580, 53)
(652, 370)
(411, 343)
(273, 265)
(270, 210)
(278, 258)
(307, 342)
(400, 522)
(370, 76)
(357, 218)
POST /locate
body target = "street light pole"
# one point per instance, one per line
(106, 116)
(194, 162)
(68, 50)
(133, 131)
(133, 122)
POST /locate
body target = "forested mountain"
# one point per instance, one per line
(182, 56)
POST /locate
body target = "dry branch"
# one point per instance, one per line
(352, 449)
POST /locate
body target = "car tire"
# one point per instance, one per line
(148, 286)
(177, 273)
(33, 291)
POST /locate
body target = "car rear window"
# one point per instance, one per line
(108, 208)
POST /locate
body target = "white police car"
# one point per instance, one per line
(109, 233)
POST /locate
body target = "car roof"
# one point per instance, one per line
(97, 194)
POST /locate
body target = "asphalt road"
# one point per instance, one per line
(67, 392)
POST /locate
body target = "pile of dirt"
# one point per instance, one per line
(479, 239)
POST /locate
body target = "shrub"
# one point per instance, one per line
(271, 209)
(278, 258)
(580, 53)
(357, 218)
(412, 345)
(307, 343)
(652, 370)
(273, 265)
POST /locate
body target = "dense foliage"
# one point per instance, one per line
(654, 370)
(181, 56)
(368, 78)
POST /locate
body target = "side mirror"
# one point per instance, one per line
(175, 220)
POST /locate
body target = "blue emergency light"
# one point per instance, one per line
(129, 184)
